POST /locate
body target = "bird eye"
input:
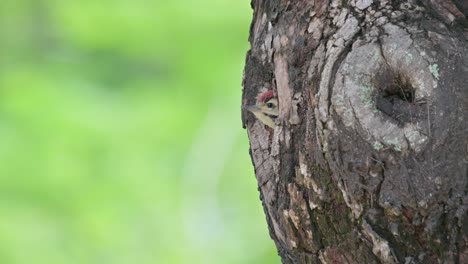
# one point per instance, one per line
(270, 105)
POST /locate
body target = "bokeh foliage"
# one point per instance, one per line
(120, 134)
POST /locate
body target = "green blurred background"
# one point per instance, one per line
(120, 134)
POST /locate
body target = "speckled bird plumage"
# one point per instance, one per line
(266, 109)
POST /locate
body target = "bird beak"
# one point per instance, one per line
(252, 108)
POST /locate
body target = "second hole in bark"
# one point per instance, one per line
(395, 96)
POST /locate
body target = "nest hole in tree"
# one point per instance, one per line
(395, 96)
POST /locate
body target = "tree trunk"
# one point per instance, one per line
(368, 161)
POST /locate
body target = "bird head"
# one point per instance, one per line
(266, 108)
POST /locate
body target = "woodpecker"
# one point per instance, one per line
(266, 108)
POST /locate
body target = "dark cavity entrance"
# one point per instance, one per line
(395, 96)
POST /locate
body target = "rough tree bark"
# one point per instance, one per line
(368, 161)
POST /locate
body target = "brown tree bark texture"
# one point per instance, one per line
(368, 161)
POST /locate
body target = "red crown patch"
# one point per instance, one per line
(266, 96)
